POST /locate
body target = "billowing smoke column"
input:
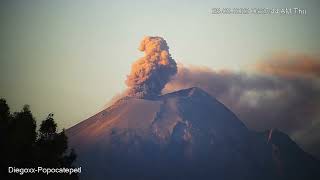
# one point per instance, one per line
(150, 73)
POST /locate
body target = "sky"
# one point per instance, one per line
(71, 57)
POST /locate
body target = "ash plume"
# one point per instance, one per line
(289, 84)
(150, 73)
(283, 93)
(290, 66)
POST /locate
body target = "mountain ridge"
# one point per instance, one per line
(189, 129)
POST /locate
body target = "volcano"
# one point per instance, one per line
(187, 134)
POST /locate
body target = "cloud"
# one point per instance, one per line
(281, 93)
(287, 65)
(150, 73)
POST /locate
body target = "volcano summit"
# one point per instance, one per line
(186, 134)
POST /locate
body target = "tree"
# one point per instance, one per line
(21, 147)
(4, 129)
(53, 147)
(4, 112)
(48, 128)
(22, 137)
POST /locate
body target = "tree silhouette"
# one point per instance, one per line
(48, 128)
(4, 131)
(22, 146)
(4, 112)
(52, 146)
(22, 136)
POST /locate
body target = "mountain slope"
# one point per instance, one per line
(182, 135)
(290, 160)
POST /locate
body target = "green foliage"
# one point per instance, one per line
(22, 146)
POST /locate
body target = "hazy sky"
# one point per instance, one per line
(71, 57)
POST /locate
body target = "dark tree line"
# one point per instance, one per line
(23, 146)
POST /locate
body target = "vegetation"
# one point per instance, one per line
(22, 146)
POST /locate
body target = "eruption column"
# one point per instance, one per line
(150, 73)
